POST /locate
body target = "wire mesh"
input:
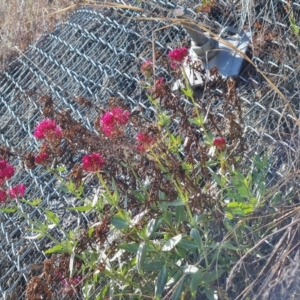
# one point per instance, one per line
(96, 54)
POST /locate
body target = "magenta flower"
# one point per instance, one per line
(3, 196)
(159, 82)
(41, 158)
(113, 119)
(6, 171)
(147, 68)
(145, 141)
(92, 162)
(178, 54)
(220, 143)
(17, 191)
(47, 129)
(70, 285)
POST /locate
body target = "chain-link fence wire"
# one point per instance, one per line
(96, 54)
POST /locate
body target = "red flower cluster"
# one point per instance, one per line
(111, 120)
(41, 158)
(178, 54)
(147, 68)
(47, 129)
(70, 285)
(92, 162)
(17, 191)
(6, 171)
(145, 141)
(220, 143)
(3, 196)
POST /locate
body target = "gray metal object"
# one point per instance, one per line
(202, 44)
(226, 55)
(96, 54)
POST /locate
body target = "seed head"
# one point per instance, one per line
(147, 68)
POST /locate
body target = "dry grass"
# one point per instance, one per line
(23, 21)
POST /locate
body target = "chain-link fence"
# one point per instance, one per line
(96, 55)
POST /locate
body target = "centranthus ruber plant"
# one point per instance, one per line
(166, 191)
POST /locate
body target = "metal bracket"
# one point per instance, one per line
(226, 58)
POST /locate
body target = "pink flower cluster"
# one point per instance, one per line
(220, 143)
(41, 158)
(112, 120)
(43, 155)
(18, 191)
(145, 140)
(3, 196)
(147, 68)
(47, 129)
(6, 171)
(93, 162)
(14, 193)
(178, 54)
(70, 285)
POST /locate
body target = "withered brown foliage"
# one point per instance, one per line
(37, 289)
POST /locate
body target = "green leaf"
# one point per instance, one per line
(196, 236)
(81, 208)
(8, 209)
(276, 198)
(220, 180)
(229, 246)
(167, 216)
(188, 245)
(140, 257)
(152, 226)
(180, 214)
(140, 195)
(153, 101)
(90, 232)
(104, 291)
(239, 208)
(213, 275)
(163, 119)
(61, 169)
(119, 221)
(210, 294)
(111, 289)
(209, 137)
(56, 249)
(178, 291)
(188, 92)
(171, 243)
(173, 280)
(52, 217)
(177, 202)
(195, 282)
(116, 195)
(132, 247)
(34, 202)
(152, 265)
(161, 281)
